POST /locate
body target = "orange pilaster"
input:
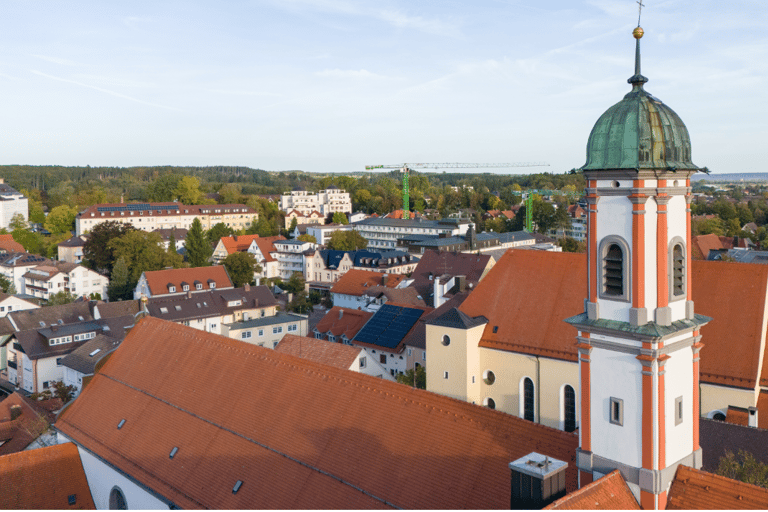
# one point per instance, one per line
(695, 405)
(661, 251)
(647, 500)
(586, 410)
(638, 249)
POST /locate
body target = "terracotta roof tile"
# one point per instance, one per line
(319, 351)
(19, 433)
(237, 243)
(762, 409)
(693, 489)
(608, 493)
(44, 479)
(737, 416)
(8, 244)
(158, 280)
(267, 246)
(356, 282)
(343, 321)
(305, 435)
(702, 244)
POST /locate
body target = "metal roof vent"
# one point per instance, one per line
(173, 452)
(81, 318)
(537, 481)
(120, 425)
(61, 322)
(237, 486)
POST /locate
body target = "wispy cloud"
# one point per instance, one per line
(351, 74)
(56, 60)
(105, 91)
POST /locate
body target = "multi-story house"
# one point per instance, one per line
(322, 233)
(289, 255)
(180, 281)
(13, 266)
(323, 266)
(304, 219)
(213, 310)
(384, 233)
(351, 290)
(71, 249)
(231, 244)
(267, 331)
(12, 203)
(154, 216)
(11, 303)
(45, 280)
(326, 202)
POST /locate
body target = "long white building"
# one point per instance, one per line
(328, 201)
(11, 203)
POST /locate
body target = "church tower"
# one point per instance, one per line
(638, 338)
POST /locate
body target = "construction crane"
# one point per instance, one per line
(406, 170)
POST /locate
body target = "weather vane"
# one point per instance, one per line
(639, 10)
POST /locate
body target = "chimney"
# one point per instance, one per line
(384, 279)
(15, 412)
(437, 293)
(341, 313)
(247, 287)
(462, 283)
(255, 303)
(189, 294)
(234, 237)
(752, 422)
(537, 481)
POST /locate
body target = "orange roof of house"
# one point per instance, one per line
(526, 285)
(610, 492)
(737, 416)
(266, 245)
(510, 214)
(158, 280)
(762, 409)
(44, 479)
(333, 354)
(702, 244)
(9, 244)
(17, 434)
(693, 489)
(734, 295)
(343, 321)
(237, 243)
(357, 282)
(305, 435)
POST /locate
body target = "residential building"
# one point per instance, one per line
(344, 357)
(231, 244)
(357, 216)
(290, 256)
(322, 233)
(154, 216)
(435, 274)
(350, 290)
(325, 267)
(179, 237)
(312, 218)
(10, 303)
(49, 478)
(179, 281)
(578, 225)
(340, 325)
(14, 265)
(8, 244)
(214, 310)
(261, 413)
(383, 233)
(71, 249)
(266, 331)
(23, 421)
(81, 363)
(326, 202)
(264, 250)
(45, 280)
(12, 203)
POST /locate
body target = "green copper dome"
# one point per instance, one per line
(639, 132)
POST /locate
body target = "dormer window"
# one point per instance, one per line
(198, 285)
(211, 284)
(185, 287)
(171, 288)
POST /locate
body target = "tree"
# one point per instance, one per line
(7, 285)
(241, 267)
(572, 245)
(295, 284)
(743, 467)
(164, 188)
(407, 378)
(307, 238)
(61, 219)
(18, 222)
(59, 298)
(32, 242)
(340, 218)
(230, 193)
(97, 254)
(142, 252)
(263, 227)
(119, 286)
(218, 230)
(197, 245)
(62, 391)
(347, 241)
(294, 225)
(188, 190)
(300, 303)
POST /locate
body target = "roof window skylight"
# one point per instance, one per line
(237, 486)
(120, 425)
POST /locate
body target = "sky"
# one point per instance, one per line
(335, 85)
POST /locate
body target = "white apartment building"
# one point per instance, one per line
(45, 280)
(328, 201)
(156, 216)
(290, 256)
(11, 203)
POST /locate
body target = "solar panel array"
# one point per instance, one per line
(388, 326)
(137, 207)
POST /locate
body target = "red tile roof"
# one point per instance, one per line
(9, 244)
(343, 321)
(356, 282)
(267, 246)
(762, 409)
(237, 243)
(17, 434)
(44, 479)
(320, 351)
(702, 244)
(305, 435)
(608, 493)
(526, 285)
(737, 416)
(158, 280)
(693, 489)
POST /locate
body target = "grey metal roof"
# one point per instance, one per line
(457, 319)
(84, 358)
(280, 318)
(207, 304)
(649, 330)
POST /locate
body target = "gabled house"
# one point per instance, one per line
(45, 280)
(311, 427)
(445, 266)
(263, 248)
(303, 218)
(231, 244)
(82, 362)
(340, 325)
(344, 357)
(350, 290)
(71, 249)
(179, 237)
(14, 265)
(23, 420)
(10, 303)
(8, 244)
(179, 281)
(267, 331)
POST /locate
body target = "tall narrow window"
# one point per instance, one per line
(528, 399)
(677, 271)
(569, 409)
(613, 271)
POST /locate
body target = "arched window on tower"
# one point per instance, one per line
(528, 396)
(569, 409)
(614, 269)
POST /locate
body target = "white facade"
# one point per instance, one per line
(11, 304)
(290, 256)
(326, 201)
(11, 203)
(44, 280)
(323, 233)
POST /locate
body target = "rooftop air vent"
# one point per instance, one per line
(173, 452)
(237, 486)
(120, 425)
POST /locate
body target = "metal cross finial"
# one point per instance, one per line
(639, 10)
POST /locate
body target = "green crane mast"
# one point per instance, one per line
(406, 169)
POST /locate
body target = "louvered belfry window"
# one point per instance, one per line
(569, 408)
(613, 271)
(528, 396)
(678, 270)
